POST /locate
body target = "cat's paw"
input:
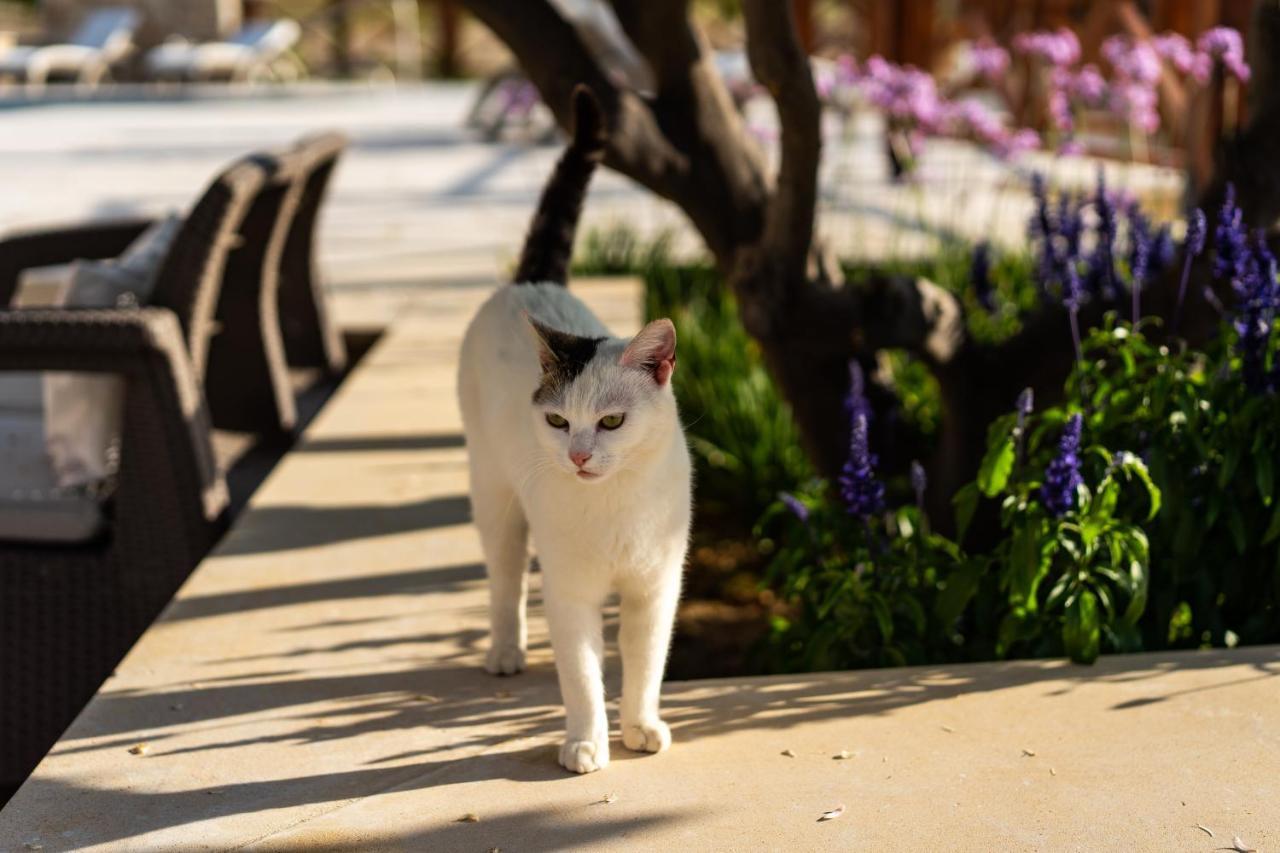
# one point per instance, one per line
(504, 660)
(649, 736)
(584, 756)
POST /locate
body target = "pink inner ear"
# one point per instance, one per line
(654, 349)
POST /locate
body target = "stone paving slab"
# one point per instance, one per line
(316, 685)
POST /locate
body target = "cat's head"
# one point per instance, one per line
(602, 405)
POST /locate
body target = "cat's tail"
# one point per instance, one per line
(549, 244)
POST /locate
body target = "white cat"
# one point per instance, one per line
(573, 436)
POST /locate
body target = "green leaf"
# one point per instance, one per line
(1265, 477)
(966, 503)
(958, 592)
(1081, 633)
(1029, 559)
(997, 465)
(1235, 523)
(1229, 464)
(1273, 529)
(1134, 467)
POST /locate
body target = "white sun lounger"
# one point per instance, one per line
(103, 38)
(242, 57)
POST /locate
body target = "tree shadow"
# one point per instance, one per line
(283, 528)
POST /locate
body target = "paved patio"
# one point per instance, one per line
(317, 685)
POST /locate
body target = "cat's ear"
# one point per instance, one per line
(544, 337)
(653, 349)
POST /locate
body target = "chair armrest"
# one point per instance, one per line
(165, 436)
(48, 247)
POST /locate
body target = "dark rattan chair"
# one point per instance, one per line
(68, 613)
(272, 313)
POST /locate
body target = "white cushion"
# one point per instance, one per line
(83, 411)
(60, 432)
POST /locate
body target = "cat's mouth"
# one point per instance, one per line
(587, 475)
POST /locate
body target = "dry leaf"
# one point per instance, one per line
(842, 755)
(948, 729)
(469, 817)
(424, 697)
(1206, 829)
(495, 850)
(502, 694)
(1031, 753)
(31, 845)
(789, 753)
(607, 799)
(176, 706)
(140, 749)
(833, 814)
(215, 792)
(1240, 847)
(1053, 772)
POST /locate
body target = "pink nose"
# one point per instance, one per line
(579, 457)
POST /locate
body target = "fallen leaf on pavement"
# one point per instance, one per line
(833, 814)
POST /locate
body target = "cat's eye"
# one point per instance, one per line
(557, 421)
(612, 421)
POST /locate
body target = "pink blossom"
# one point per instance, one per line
(1175, 49)
(990, 59)
(846, 69)
(1059, 48)
(1225, 44)
(1135, 61)
(1071, 148)
(1017, 142)
(1088, 85)
(1137, 103)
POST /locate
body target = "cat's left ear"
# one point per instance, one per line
(653, 349)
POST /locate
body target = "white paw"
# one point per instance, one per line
(651, 736)
(584, 756)
(504, 660)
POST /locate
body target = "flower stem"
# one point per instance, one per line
(1182, 293)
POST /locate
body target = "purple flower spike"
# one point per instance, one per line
(919, 482)
(1139, 260)
(1062, 477)
(1230, 240)
(797, 507)
(862, 493)
(1225, 44)
(856, 403)
(1193, 246)
(980, 275)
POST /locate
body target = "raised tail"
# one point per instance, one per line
(549, 245)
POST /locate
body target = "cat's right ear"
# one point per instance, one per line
(543, 338)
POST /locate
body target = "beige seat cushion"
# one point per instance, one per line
(32, 506)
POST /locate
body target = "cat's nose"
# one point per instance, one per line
(579, 457)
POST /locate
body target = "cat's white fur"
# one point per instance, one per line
(625, 530)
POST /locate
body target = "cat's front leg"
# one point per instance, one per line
(648, 614)
(577, 638)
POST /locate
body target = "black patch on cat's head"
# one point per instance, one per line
(564, 357)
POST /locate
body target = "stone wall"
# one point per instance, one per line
(195, 19)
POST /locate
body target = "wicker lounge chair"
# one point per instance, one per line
(70, 610)
(250, 54)
(104, 38)
(274, 327)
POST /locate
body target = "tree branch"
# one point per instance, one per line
(780, 64)
(685, 145)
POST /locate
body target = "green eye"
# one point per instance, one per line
(557, 421)
(612, 421)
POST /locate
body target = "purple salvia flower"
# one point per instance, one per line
(797, 506)
(1072, 293)
(856, 403)
(980, 275)
(1042, 229)
(1175, 49)
(1023, 407)
(1192, 246)
(1062, 478)
(1256, 302)
(862, 493)
(919, 482)
(1104, 255)
(1139, 259)
(1162, 250)
(1230, 240)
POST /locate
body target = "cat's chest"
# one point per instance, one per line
(598, 527)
